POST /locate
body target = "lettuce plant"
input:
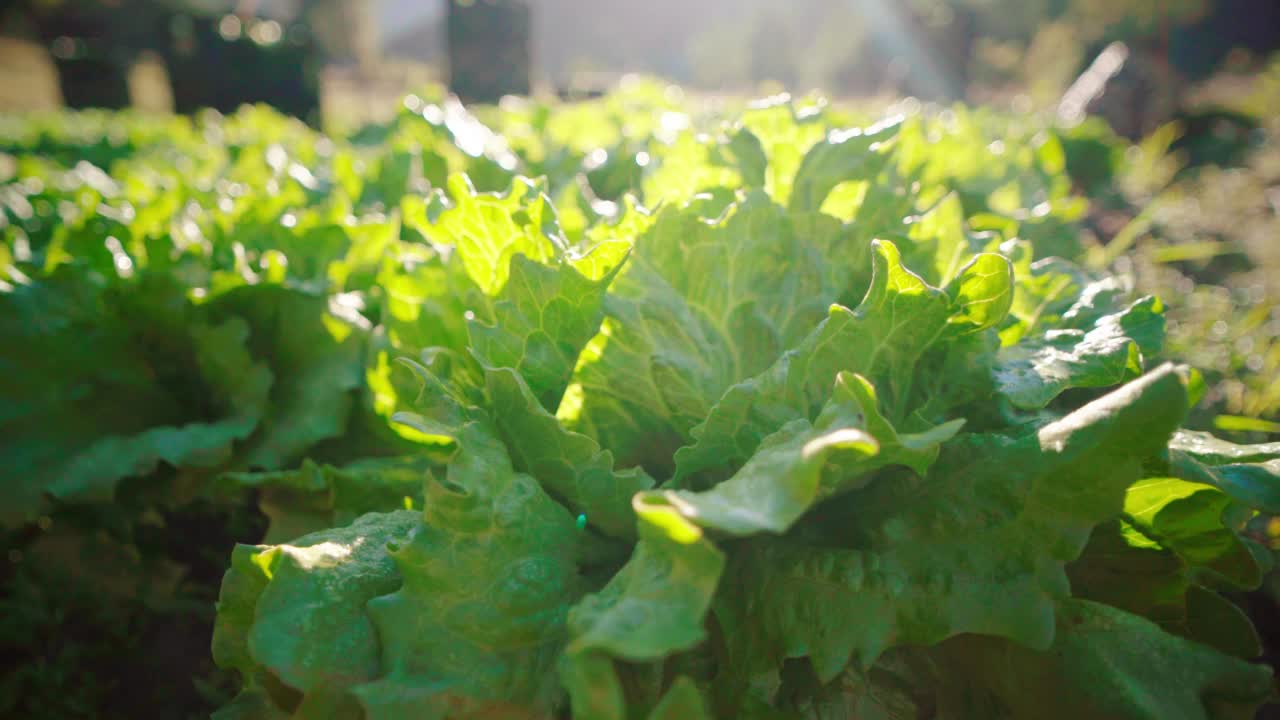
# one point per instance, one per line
(762, 453)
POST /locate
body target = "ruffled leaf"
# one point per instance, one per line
(1034, 372)
(885, 339)
(1103, 663)
(655, 605)
(297, 611)
(802, 464)
(978, 545)
(488, 230)
(542, 319)
(571, 466)
(843, 156)
(479, 621)
(702, 304)
(315, 496)
(1248, 473)
(315, 348)
(106, 384)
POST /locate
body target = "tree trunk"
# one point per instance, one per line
(489, 49)
(210, 71)
(92, 63)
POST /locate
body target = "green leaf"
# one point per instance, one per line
(102, 384)
(369, 245)
(701, 305)
(1187, 518)
(976, 546)
(315, 496)
(248, 575)
(802, 464)
(227, 366)
(1035, 371)
(1248, 473)
(981, 293)
(479, 620)
(682, 702)
(689, 164)
(844, 155)
(1215, 621)
(655, 605)
(940, 243)
(233, 294)
(315, 349)
(477, 624)
(632, 221)
(1055, 294)
(594, 689)
(885, 339)
(1236, 423)
(744, 151)
(604, 689)
(778, 484)
(846, 252)
(488, 577)
(298, 612)
(1104, 663)
(571, 466)
(487, 230)
(1124, 568)
(786, 132)
(543, 317)
(425, 297)
(1174, 540)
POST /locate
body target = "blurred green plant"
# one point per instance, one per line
(1203, 203)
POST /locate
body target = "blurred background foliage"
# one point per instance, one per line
(932, 49)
